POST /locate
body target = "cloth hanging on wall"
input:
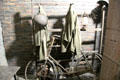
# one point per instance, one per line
(71, 37)
(41, 37)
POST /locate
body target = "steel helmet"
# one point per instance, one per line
(41, 19)
(103, 2)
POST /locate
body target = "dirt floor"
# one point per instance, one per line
(86, 76)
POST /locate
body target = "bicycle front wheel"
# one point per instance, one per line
(46, 70)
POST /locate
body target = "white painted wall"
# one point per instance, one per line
(3, 60)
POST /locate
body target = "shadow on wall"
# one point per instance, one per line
(58, 25)
(56, 51)
(20, 51)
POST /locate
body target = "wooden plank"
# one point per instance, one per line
(110, 69)
(90, 30)
(54, 30)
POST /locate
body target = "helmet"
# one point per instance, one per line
(41, 19)
(107, 1)
(103, 2)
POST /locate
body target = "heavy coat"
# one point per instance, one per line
(71, 37)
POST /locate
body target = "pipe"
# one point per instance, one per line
(102, 31)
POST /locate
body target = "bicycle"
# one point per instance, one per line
(51, 69)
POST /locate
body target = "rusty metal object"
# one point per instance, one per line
(78, 71)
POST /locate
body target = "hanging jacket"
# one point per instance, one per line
(71, 37)
(41, 37)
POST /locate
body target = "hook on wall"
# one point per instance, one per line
(71, 4)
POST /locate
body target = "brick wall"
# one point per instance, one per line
(1, 9)
(17, 30)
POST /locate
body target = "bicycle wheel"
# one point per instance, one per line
(46, 71)
(30, 70)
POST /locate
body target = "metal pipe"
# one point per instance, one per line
(102, 31)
